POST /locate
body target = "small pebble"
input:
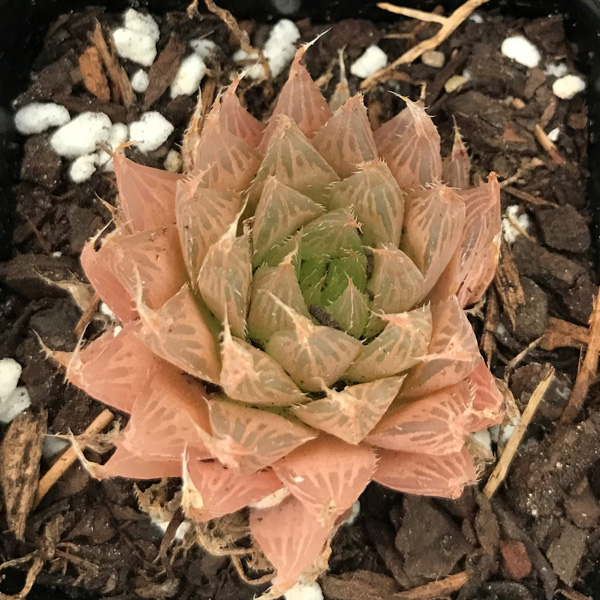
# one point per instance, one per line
(568, 87)
(81, 135)
(433, 58)
(554, 134)
(188, 77)
(372, 60)
(150, 132)
(304, 591)
(455, 83)
(37, 117)
(144, 24)
(134, 46)
(83, 168)
(476, 18)
(521, 50)
(173, 162)
(203, 47)
(140, 81)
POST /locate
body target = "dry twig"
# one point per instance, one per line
(490, 322)
(87, 315)
(587, 368)
(534, 163)
(549, 146)
(508, 283)
(413, 13)
(518, 359)
(436, 589)
(502, 466)
(525, 196)
(451, 23)
(59, 468)
(562, 334)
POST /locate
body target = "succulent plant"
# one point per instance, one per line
(292, 316)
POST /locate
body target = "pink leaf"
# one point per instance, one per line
(457, 167)
(488, 403)
(100, 267)
(326, 475)
(203, 216)
(147, 195)
(124, 463)
(410, 144)
(300, 100)
(452, 355)
(114, 367)
(425, 474)
(179, 333)
(352, 413)
(237, 120)
(169, 415)
(248, 439)
(433, 424)
(291, 538)
(433, 227)
(346, 140)
(218, 491)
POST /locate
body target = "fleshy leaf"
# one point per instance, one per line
(301, 101)
(147, 195)
(313, 355)
(212, 490)
(237, 120)
(424, 474)
(433, 226)
(331, 235)
(350, 310)
(457, 167)
(433, 424)
(179, 333)
(250, 375)
(352, 413)
(401, 345)
(488, 403)
(124, 463)
(452, 354)
(223, 161)
(291, 538)
(203, 216)
(113, 367)
(346, 140)
(410, 144)
(100, 267)
(170, 415)
(248, 439)
(280, 212)
(224, 280)
(397, 284)
(481, 229)
(351, 266)
(290, 247)
(377, 200)
(268, 315)
(481, 277)
(293, 161)
(326, 475)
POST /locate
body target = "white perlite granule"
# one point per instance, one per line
(83, 168)
(188, 77)
(568, 87)
(144, 24)
(13, 399)
(150, 132)
(521, 50)
(40, 116)
(140, 81)
(372, 60)
(203, 48)
(81, 135)
(304, 591)
(135, 46)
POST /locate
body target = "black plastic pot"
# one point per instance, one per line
(23, 24)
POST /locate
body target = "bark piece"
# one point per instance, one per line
(20, 455)
(94, 79)
(163, 70)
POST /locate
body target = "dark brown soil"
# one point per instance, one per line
(541, 529)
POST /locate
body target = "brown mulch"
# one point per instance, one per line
(540, 531)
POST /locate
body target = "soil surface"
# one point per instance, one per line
(540, 531)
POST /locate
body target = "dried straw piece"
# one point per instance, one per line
(526, 197)
(413, 13)
(59, 468)
(549, 146)
(451, 23)
(508, 283)
(502, 466)
(587, 368)
(435, 589)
